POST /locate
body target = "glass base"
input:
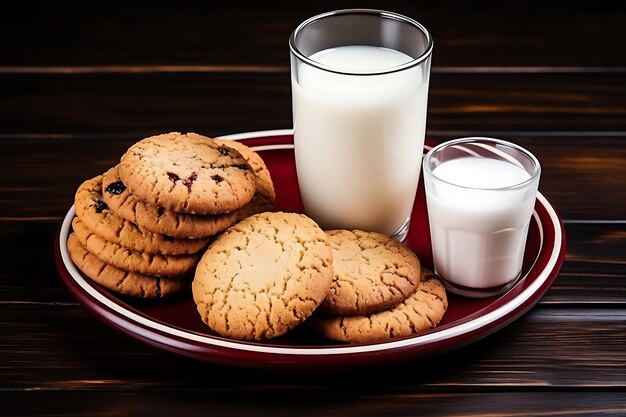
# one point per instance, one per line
(403, 231)
(478, 292)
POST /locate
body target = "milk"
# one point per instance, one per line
(359, 138)
(479, 233)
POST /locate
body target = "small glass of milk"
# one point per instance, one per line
(360, 90)
(480, 195)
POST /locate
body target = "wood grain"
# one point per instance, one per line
(282, 402)
(76, 352)
(467, 34)
(219, 103)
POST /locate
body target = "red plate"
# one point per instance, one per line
(175, 326)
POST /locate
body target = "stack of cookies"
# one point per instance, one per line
(274, 271)
(379, 290)
(140, 228)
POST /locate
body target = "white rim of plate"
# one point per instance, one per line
(436, 336)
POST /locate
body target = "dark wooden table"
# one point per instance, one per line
(81, 81)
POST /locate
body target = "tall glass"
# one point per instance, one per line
(360, 90)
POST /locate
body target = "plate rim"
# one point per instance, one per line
(498, 314)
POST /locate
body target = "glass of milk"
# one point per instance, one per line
(480, 194)
(359, 82)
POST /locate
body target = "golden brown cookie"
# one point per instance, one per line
(421, 311)
(263, 276)
(264, 198)
(260, 203)
(95, 213)
(158, 219)
(118, 280)
(129, 260)
(187, 173)
(372, 272)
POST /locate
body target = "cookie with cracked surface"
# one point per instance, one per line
(129, 260)
(187, 173)
(372, 272)
(263, 276)
(118, 280)
(158, 219)
(98, 216)
(421, 311)
(264, 198)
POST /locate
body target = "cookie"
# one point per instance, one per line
(264, 198)
(421, 311)
(118, 280)
(158, 219)
(95, 213)
(187, 173)
(128, 260)
(263, 276)
(372, 272)
(260, 203)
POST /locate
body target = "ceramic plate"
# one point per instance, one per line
(175, 326)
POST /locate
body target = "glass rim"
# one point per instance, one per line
(373, 12)
(482, 139)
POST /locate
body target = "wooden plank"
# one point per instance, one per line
(219, 103)
(75, 33)
(27, 269)
(334, 401)
(595, 265)
(133, 103)
(555, 348)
